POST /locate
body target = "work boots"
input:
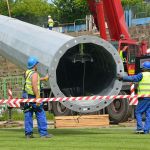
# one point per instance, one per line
(29, 136)
(139, 132)
(47, 136)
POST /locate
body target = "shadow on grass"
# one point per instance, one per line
(93, 131)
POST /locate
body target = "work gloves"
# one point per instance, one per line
(46, 77)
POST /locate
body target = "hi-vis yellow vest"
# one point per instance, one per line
(121, 55)
(28, 84)
(50, 22)
(144, 84)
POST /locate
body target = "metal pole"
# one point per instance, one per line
(75, 23)
(9, 108)
(56, 49)
(9, 114)
(74, 26)
(90, 23)
(86, 22)
(8, 6)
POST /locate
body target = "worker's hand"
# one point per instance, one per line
(38, 104)
(119, 77)
(46, 78)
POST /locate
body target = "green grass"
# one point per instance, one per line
(17, 116)
(76, 139)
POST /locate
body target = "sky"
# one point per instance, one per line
(49, 1)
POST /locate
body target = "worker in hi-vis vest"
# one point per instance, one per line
(123, 54)
(50, 22)
(123, 58)
(143, 103)
(32, 89)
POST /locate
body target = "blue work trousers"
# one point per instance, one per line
(143, 107)
(50, 28)
(40, 116)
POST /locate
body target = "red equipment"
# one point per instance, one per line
(111, 11)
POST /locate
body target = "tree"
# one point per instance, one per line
(32, 11)
(69, 10)
(3, 7)
(130, 2)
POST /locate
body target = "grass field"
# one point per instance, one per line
(76, 139)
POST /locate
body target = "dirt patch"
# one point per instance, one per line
(131, 123)
(10, 124)
(20, 124)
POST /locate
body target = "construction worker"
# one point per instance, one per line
(123, 54)
(123, 58)
(32, 88)
(50, 22)
(143, 103)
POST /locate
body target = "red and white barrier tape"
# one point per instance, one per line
(10, 93)
(133, 101)
(10, 96)
(16, 102)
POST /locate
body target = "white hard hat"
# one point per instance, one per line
(49, 16)
(148, 50)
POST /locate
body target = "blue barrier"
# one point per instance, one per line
(140, 21)
(135, 22)
(70, 28)
(128, 17)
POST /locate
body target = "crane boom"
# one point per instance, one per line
(114, 15)
(112, 12)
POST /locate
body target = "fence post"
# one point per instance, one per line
(4, 88)
(9, 108)
(90, 23)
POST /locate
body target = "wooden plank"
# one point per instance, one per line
(68, 127)
(83, 117)
(82, 125)
(81, 121)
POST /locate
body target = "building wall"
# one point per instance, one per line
(140, 33)
(9, 69)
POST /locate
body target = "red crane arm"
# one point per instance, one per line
(114, 16)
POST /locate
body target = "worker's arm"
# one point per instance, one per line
(134, 78)
(35, 89)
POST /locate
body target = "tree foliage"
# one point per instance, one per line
(31, 10)
(69, 10)
(63, 11)
(126, 3)
(3, 6)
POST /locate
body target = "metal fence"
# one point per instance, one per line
(15, 83)
(141, 10)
